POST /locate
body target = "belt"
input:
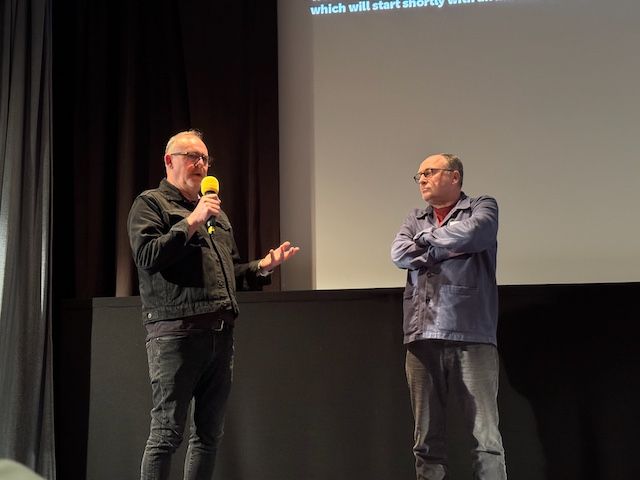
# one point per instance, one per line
(224, 321)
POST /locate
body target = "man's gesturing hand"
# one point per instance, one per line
(277, 256)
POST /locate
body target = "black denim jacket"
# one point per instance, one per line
(180, 277)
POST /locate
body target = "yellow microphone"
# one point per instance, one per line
(209, 186)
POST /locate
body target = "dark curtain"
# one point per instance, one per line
(26, 389)
(127, 76)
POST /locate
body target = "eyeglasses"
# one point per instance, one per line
(430, 172)
(195, 157)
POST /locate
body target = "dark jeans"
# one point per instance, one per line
(469, 371)
(182, 367)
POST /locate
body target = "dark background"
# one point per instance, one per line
(127, 76)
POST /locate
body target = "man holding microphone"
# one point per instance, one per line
(188, 275)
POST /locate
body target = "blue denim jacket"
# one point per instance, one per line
(451, 291)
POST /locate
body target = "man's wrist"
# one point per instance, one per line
(263, 271)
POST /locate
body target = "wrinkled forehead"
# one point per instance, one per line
(434, 161)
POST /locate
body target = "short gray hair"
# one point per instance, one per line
(191, 132)
(454, 163)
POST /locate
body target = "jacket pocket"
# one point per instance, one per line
(457, 308)
(411, 323)
(224, 233)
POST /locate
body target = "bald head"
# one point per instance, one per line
(194, 133)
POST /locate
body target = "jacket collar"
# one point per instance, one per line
(464, 203)
(172, 193)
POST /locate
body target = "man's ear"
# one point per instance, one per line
(168, 161)
(455, 176)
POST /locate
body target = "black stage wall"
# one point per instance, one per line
(320, 393)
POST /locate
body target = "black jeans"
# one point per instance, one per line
(470, 371)
(182, 368)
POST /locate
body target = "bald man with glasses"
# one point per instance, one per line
(450, 318)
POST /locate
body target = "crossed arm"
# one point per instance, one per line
(416, 247)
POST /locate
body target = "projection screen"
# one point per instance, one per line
(539, 98)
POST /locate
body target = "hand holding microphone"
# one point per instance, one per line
(211, 186)
(208, 207)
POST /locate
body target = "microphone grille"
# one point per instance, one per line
(209, 184)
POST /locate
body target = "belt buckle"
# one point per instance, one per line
(219, 329)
